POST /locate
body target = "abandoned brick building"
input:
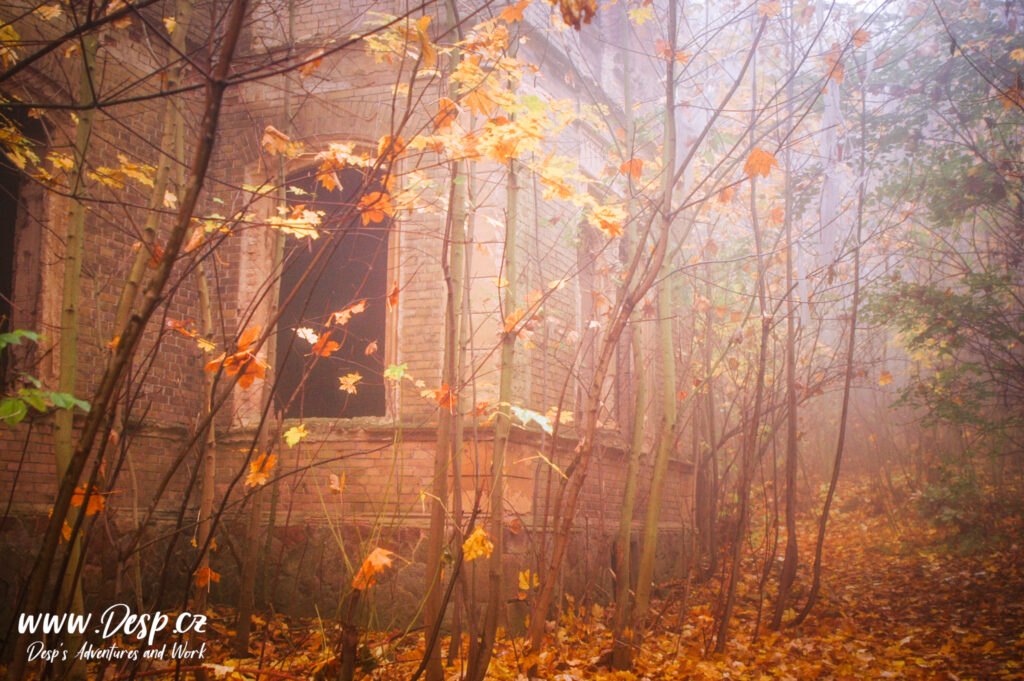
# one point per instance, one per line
(378, 442)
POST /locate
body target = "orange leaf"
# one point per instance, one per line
(759, 162)
(633, 167)
(512, 319)
(375, 563)
(769, 9)
(446, 398)
(335, 483)
(833, 64)
(375, 207)
(390, 148)
(309, 67)
(274, 141)
(348, 382)
(259, 470)
(371, 348)
(97, 502)
(248, 338)
(155, 256)
(324, 346)
(204, 576)
(447, 111)
(884, 378)
(860, 37)
(514, 13)
(725, 196)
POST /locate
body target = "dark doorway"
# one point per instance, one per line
(353, 269)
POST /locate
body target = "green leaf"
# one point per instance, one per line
(34, 398)
(395, 372)
(12, 410)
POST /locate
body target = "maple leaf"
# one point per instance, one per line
(513, 319)
(97, 502)
(633, 167)
(447, 112)
(608, 219)
(884, 378)
(205, 576)
(242, 361)
(335, 483)
(248, 337)
(342, 317)
(477, 545)
(375, 207)
(274, 141)
(259, 470)
(348, 382)
(312, 63)
(759, 162)
(640, 15)
(395, 372)
(769, 9)
(725, 196)
(390, 148)
(445, 397)
(371, 348)
(860, 37)
(528, 580)
(375, 563)
(295, 434)
(514, 13)
(1018, 54)
(324, 346)
(777, 215)
(833, 63)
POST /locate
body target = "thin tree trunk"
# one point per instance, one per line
(63, 438)
(847, 380)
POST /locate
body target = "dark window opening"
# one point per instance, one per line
(353, 269)
(12, 213)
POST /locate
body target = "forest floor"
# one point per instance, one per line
(901, 598)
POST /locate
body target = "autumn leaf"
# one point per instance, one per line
(170, 23)
(392, 301)
(371, 349)
(608, 219)
(447, 112)
(375, 563)
(884, 378)
(348, 382)
(514, 13)
(513, 319)
(759, 162)
(769, 9)
(396, 372)
(633, 167)
(97, 501)
(528, 580)
(640, 15)
(342, 317)
(860, 37)
(726, 195)
(375, 207)
(446, 399)
(324, 346)
(312, 63)
(1018, 54)
(274, 141)
(390, 148)
(477, 545)
(259, 470)
(336, 483)
(833, 63)
(242, 361)
(205, 576)
(295, 434)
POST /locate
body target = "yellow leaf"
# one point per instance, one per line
(608, 219)
(769, 9)
(641, 15)
(528, 580)
(170, 23)
(884, 378)
(1018, 54)
(348, 382)
(48, 12)
(335, 483)
(477, 545)
(295, 434)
